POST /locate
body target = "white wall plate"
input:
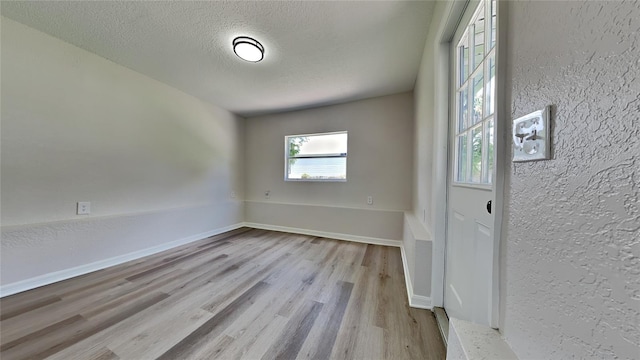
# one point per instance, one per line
(531, 140)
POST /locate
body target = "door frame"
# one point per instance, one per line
(442, 163)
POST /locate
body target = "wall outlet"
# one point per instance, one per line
(84, 208)
(370, 200)
(531, 136)
(267, 194)
(234, 195)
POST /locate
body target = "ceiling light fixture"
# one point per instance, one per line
(248, 49)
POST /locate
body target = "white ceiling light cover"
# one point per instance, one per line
(248, 49)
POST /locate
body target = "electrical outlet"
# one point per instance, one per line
(233, 195)
(531, 136)
(370, 200)
(84, 208)
(267, 194)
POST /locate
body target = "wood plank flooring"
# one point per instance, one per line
(245, 294)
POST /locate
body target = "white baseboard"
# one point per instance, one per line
(415, 301)
(330, 235)
(54, 277)
(50, 278)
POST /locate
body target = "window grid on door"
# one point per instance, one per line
(475, 98)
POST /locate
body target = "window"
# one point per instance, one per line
(475, 98)
(316, 157)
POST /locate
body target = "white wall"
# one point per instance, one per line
(426, 267)
(157, 164)
(418, 219)
(571, 246)
(379, 164)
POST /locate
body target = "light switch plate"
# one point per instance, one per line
(84, 208)
(531, 140)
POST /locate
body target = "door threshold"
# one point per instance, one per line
(443, 323)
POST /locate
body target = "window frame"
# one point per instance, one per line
(464, 77)
(287, 157)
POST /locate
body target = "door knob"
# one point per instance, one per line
(489, 206)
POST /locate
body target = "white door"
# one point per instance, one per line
(470, 246)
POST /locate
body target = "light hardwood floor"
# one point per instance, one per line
(249, 294)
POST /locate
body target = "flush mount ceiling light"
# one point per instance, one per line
(248, 49)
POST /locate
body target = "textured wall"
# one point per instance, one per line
(572, 241)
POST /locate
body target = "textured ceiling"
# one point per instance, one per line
(317, 52)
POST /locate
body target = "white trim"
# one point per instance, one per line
(288, 157)
(502, 141)
(407, 275)
(92, 217)
(484, 187)
(270, 202)
(501, 113)
(46, 279)
(450, 13)
(415, 301)
(330, 235)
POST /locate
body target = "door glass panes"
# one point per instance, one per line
(476, 154)
(492, 26)
(463, 53)
(488, 152)
(478, 95)
(475, 91)
(478, 37)
(491, 87)
(463, 110)
(462, 159)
